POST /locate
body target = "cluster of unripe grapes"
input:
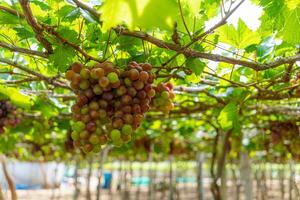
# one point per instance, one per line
(9, 117)
(283, 131)
(110, 102)
(164, 97)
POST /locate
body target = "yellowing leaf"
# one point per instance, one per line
(292, 4)
(15, 96)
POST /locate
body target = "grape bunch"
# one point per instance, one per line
(9, 116)
(110, 102)
(163, 100)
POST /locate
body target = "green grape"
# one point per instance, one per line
(84, 84)
(126, 129)
(115, 135)
(78, 126)
(97, 90)
(94, 139)
(165, 95)
(113, 77)
(85, 73)
(84, 134)
(75, 135)
(96, 148)
(84, 110)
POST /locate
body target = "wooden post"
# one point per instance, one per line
(246, 175)
(291, 180)
(88, 185)
(150, 174)
(281, 179)
(200, 158)
(44, 174)
(77, 190)
(103, 156)
(171, 159)
(9, 180)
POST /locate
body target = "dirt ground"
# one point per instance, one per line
(183, 192)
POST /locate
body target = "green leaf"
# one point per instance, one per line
(139, 13)
(41, 4)
(16, 97)
(7, 18)
(24, 32)
(239, 37)
(69, 34)
(291, 31)
(44, 105)
(62, 57)
(228, 116)
(196, 65)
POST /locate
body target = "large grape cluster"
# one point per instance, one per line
(110, 102)
(9, 116)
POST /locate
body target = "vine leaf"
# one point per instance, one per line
(291, 34)
(239, 37)
(61, 58)
(228, 117)
(196, 65)
(16, 97)
(139, 13)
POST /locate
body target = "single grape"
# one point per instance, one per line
(102, 103)
(126, 99)
(103, 82)
(88, 148)
(147, 66)
(76, 67)
(127, 129)
(134, 74)
(165, 95)
(115, 135)
(94, 105)
(84, 84)
(84, 134)
(84, 110)
(85, 73)
(128, 118)
(113, 77)
(144, 76)
(96, 148)
(94, 114)
(127, 82)
(142, 94)
(102, 139)
(75, 135)
(138, 85)
(69, 75)
(126, 137)
(121, 90)
(94, 139)
(117, 123)
(91, 126)
(97, 90)
(89, 93)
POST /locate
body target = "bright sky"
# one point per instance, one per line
(248, 12)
